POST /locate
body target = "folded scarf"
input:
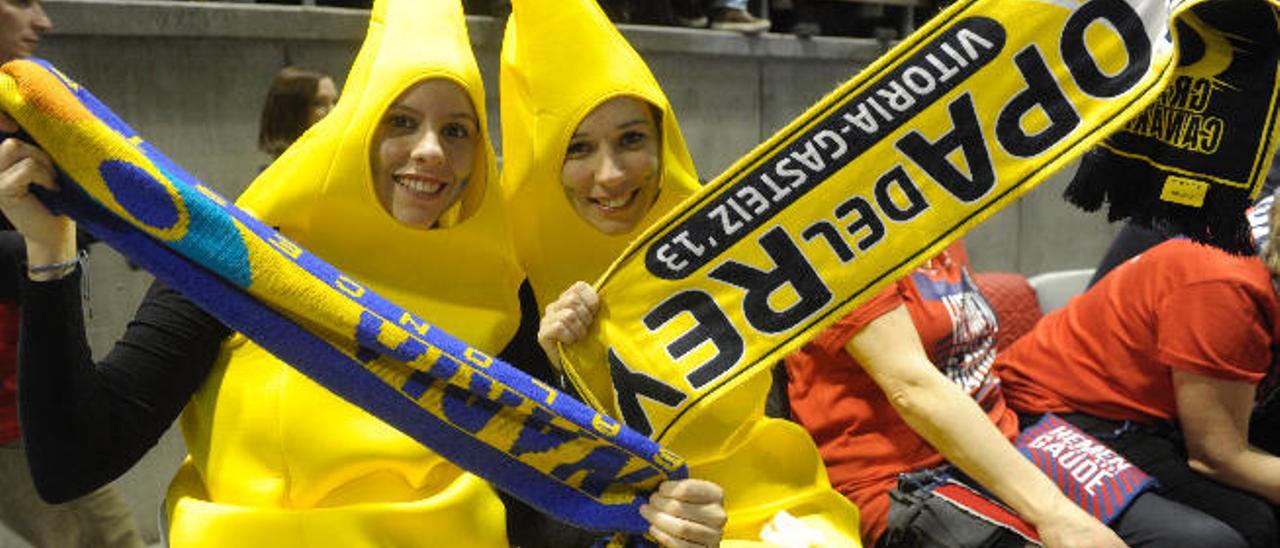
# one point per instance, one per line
(1195, 159)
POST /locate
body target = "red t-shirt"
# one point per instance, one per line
(8, 371)
(1107, 353)
(863, 441)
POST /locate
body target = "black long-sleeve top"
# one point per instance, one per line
(13, 250)
(84, 424)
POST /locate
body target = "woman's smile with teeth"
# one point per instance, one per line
(616, 202)
(419, 184)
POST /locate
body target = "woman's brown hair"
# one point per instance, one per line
(287, 112)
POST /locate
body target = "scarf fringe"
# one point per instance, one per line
(1132, 189)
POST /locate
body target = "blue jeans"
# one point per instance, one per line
(729, 5)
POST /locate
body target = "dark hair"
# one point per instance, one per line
(288, 108)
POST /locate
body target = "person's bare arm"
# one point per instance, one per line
(1214, 415)
(890, 350)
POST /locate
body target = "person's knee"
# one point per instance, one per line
(1247, 514)
(1258, 525)
(1211, 532)
(1197, 529)
(1153, 521)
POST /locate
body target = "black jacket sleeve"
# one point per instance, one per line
(13, 251)
(84, 424)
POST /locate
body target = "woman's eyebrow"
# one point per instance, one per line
(464, 117)
(404, 108)
(623, 125)
(452, 116)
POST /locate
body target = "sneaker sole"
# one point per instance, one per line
(749, 28)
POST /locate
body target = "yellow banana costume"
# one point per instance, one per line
(277, 460)
(560, 60)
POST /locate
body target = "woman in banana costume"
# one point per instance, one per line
(592, 156)
(398, 188)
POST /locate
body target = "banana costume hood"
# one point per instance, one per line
(561, 60)
(321, 191)
(277, 460)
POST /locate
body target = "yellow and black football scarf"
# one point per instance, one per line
(480, 413)
(956, 122)
(1195, 158)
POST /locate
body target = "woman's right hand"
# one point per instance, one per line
(1072, 527)
(567, 319)
(686, 513)
(50, 238)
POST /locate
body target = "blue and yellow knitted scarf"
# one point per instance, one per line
(480, 413)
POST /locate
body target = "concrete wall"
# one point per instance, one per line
(191, 77)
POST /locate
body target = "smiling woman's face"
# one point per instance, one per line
(21, 24)
(423, 151)
(612, 166)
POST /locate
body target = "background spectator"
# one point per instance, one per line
(902, 386)
(721, 14)
(1162, 360)
(354, 4)
(644, 12)
(297, 99)
(99, 519)
(795, 17)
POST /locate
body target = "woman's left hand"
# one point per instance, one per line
(686, 513)
(567, 319)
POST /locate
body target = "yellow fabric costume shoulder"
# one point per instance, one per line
(276, 460)
(560, 60)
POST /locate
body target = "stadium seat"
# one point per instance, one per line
(1054, 289)
(1014, 300)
